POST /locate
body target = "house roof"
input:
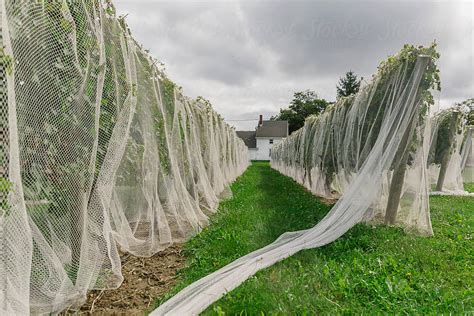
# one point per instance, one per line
(248, 137)
(272, 129)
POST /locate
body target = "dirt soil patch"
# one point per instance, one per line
(145, 279)
(327, 201)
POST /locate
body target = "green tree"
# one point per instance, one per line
(348, 85)
(304, 104)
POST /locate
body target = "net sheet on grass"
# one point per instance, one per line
(98, 150)
(450, 150)
(370, 150)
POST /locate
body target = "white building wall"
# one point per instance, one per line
(253, 152)
(264, 146)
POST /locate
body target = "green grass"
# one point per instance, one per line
(367, 271)
(469, 187)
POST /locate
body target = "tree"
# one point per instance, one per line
(348, 85)
(304, 104)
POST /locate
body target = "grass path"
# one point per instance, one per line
(369, 270)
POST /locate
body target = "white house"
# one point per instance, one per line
(260, 141)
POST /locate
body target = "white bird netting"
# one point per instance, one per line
(370, 150)
(467, 149)
(451, 150)
(99, 151)
(467, 156)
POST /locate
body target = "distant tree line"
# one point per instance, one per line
(307, 102)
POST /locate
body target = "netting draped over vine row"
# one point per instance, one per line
(467, 156)
(328, 151)
(98, 149)
(451, 159)
(369, 150)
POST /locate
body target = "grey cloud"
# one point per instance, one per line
(331, 37)
(195, 38)
(248, 57)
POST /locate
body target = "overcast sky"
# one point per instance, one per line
(249, 57)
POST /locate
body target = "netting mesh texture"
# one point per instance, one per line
(99, 151)
(467, 156)
(370, 150)
(450, 158)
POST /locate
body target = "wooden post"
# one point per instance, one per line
(398, 177)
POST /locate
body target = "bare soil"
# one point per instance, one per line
(145, 279)
(327, 201)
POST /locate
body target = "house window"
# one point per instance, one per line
(271, 141)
